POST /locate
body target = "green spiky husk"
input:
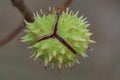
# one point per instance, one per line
(71, 28)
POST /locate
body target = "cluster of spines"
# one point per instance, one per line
(47, 60)
(60, 57)
(82, 38)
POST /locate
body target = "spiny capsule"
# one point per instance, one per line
(58, 42)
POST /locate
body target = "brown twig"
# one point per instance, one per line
(63, 6)
(20, 5)
(11, 35)
(60, 8)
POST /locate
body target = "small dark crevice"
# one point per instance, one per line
(44, 38)
(56, 25)
(65, 43)
(54, 31)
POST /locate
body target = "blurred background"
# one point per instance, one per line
(103, 62)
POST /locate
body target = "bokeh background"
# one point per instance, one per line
(103, 62)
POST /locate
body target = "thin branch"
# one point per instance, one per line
(60, 8)
(20, 5)
(63, 6)
(11, 35)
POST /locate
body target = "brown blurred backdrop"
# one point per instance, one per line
(103, 62)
